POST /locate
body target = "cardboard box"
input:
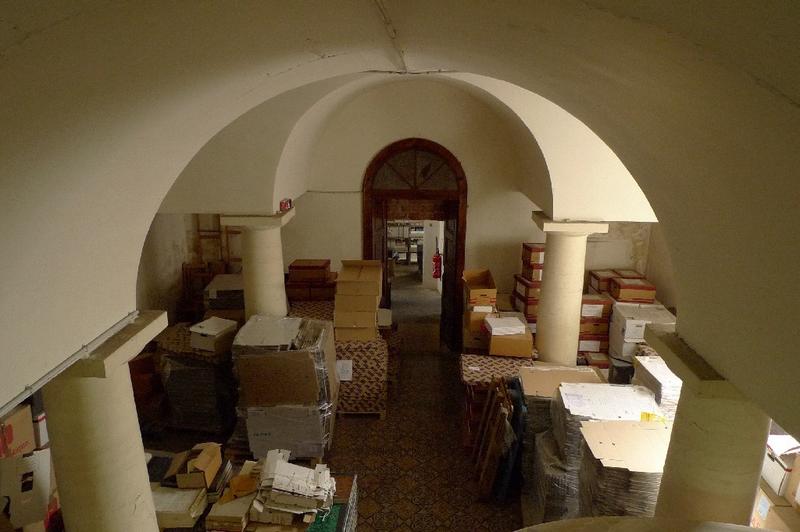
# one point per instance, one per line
(532, 253)
(303, 430)
(628, 274)
(532, 272)
(356, 334)
(473, 320)
(292, 374)
(598, 279)
(779, 459)
(16, 432)
(543, 380)
(617, 346)
(593, 343)
(26, 481)
(597, 360)
(631, 318)
(476, 341)
(526, 289)
(356, 303)
(632, 290)
(479, 288)
(355, 318)
(214, 334)
(512, 345)
(309, 270)
(360, 278)
(529, 308)
(594, 326)
(196, 468)
(596, 306)
(773, 512)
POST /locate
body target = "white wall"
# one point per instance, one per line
(167, 246)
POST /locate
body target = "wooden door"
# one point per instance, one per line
(380, 249)
(452, 299)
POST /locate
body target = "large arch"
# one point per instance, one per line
(103, 105)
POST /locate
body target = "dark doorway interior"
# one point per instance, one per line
(417, 179)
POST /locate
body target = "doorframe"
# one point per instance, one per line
(372, 198)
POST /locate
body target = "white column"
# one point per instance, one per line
(559, 311)
(714, 459)
(262, 262)
(96, 445)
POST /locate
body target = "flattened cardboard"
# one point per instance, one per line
(543, 381)
(360, 278)
(479, 288)
(638, 446)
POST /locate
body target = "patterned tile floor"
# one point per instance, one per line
(413, 472)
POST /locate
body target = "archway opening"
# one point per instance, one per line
(418, 179)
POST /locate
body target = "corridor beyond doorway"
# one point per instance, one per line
(412, 470)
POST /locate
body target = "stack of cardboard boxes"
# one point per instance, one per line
(528, 284)
(358, 295)
(288, 386)
(311, 280)
(593, 338)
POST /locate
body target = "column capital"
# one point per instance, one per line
(258, 221)
(686, 363)
(548, 225)
(120, 348)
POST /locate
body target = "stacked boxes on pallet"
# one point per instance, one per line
(361, 352)
(288, 386)
(558, 452)
(528, 284)
(195, 370)
(621, 467)
(358, 294)
(311, 280)
(480, 300)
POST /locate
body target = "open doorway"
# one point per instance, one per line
(417, 179)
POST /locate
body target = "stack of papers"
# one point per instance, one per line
(504, 326)
(653, 373)
(289, 493)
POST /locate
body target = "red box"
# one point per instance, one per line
(596, 306)
(532, 253)
(632, 290)
(526, 289)
(527, 307)
(16, 432)
(532, 272)
(593, 343)
(598, 279)
(597, 326)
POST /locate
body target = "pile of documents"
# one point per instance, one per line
(289, 493)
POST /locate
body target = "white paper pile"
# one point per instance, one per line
(503, 326)
(622, 466)
(652, 372)
(289, 492)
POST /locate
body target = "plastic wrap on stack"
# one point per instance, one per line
(622, 466)
(554, 496)
(288, 385)
(576, 402)
(653, 373)
(198, 384)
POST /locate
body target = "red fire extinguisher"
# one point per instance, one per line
(437, 262)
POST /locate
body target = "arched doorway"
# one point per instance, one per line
(424, 180)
